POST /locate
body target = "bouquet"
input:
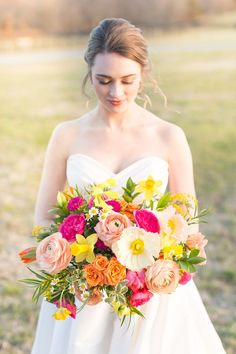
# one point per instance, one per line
(104, 245)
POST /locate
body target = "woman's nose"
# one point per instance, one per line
(116, 90)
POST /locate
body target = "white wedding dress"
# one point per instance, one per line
(174, 324)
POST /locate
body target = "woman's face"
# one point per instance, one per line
(116, 81)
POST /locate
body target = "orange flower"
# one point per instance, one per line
(28, 255)
(128, 209)
(100, 262)
(69, 192)
(94, 276)
(115, 272)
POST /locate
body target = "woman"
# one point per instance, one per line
(120, 139)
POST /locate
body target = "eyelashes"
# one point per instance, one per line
(108, 82)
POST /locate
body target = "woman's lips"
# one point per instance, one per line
(116, 102)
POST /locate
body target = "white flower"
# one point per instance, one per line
(93, 211)
(85, 295)
(173, 225)
(71, 289)
(137, 248)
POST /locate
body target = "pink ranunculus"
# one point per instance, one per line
(162, 277)
(136, 280)
(185, 278)
(68, 306)
(147, 220)
(115, 205)
(110, 229)
(53, 253)
(72, 225)
(140, 297)
(75, 203)
(199, 242)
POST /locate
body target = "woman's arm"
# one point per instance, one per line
(181, 177)
(53, 176)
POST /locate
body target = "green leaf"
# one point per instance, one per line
(135, 310)
(130, 184)
(194, 252)
(196, 260)
(163, 201)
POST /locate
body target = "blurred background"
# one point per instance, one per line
(192, 45)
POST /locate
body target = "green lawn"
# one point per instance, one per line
(199, 83)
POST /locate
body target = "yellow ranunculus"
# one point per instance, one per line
(149, 187)
(61, 314)
(83, 248)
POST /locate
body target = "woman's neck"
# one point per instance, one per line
(119, 120)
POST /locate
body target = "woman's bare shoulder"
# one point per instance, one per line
(165, 128)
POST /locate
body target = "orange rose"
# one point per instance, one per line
(100, 262)
(95, 298)
(128, 209)
(115, 272)
(93, 276)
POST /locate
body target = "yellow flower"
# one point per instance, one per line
(171, 251)
(149, 187)
(167, 240)
(100, 189)
(69, 193)
(36, 230)
(61, 199)
(122, 310)
(61, 314)
(83, 248)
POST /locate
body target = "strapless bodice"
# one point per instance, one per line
(84, 170)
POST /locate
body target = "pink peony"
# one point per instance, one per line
(199, 242)
(53, 253)
(115, 205)
(72, 225)
(110, 229)
(162, 277)
(68, 306)
(140, 297)
(186, 277)
(136, 280)
(147, 220)
(75, 203)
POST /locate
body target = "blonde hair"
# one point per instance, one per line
(117, 35)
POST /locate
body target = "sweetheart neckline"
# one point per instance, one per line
(124, 169)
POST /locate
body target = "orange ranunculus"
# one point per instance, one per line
(128, 209)
(115, 272)
(28, 255)
(101, 262)
(93, 276)
(95, 298)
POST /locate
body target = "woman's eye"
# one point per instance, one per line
(127, 82)
(104, 82)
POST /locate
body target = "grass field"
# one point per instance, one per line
(197, 72)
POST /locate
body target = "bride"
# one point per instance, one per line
(121, 139)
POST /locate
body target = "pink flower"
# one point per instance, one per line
(53, 253)
(147, 220)
(99, 244)
(115, 205)
(110, 229)
(186, 277)
(162, 277)
(91, 202)
(199, 242)
(72, 225)
(75, 203)
(140, 297)
(68, 306)
(136, 280)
